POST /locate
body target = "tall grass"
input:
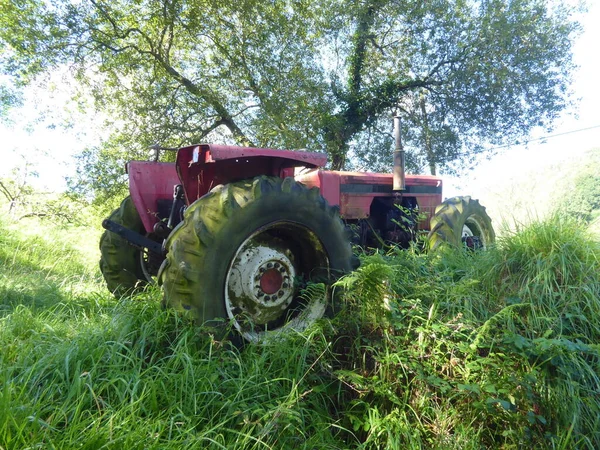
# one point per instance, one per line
(79, 369)
(495, 349)
(463, 350)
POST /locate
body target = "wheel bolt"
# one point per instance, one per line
(260, 294)
(267, 298)
(261, 270)
(280, 293)
(269, 265)
(284, 285)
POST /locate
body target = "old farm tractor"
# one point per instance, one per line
(234, 233)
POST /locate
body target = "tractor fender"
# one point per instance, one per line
(202, 167)
(150, 185)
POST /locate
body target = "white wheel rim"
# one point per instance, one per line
(466, 231)
(259, 288)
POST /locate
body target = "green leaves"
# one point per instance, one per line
(320, 74)
(501, 343)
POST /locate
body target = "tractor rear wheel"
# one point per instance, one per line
(124, 267)
(244, 251)
(461, 222)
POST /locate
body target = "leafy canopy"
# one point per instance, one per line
(320, 74)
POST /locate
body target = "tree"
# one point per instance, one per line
(320, 74)
(583, 200)
(24, 200)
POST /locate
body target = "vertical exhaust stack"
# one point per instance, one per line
(399, 176)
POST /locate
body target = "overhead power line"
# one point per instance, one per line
(543, 138)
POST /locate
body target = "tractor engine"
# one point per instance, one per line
(373, 211)
(393, 220)
(390, 222)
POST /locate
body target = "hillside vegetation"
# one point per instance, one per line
(570, 185)
(497, 349)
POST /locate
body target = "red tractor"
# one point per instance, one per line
(235, 233)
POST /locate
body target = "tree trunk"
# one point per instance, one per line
(430, 155)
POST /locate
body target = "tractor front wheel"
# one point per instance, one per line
(245, 250)
(461, 222)
(124, 267)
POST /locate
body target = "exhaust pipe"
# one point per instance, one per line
(398, 171)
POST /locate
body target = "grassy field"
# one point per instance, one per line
(448, 351)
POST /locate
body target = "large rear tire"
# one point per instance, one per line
(244, 250)
(122, 265)
(461, 222)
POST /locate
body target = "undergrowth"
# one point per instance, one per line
(464, 350)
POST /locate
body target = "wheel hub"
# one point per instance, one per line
(472, 234)
(260, 282)
(262, 291)
(271, 280)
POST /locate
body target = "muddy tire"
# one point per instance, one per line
(244, 250)
(461, 222)
(121, 263)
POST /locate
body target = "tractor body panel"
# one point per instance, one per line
(151, 189)
(354, 192)
(199, 168)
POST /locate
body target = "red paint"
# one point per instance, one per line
(204, 166)
(356, 205)
(271, 281)
(328, 183)
(149, 182)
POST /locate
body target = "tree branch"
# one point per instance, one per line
(226, 117)
(6, 192)
(194, 89)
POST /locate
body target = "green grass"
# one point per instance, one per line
(497, 349)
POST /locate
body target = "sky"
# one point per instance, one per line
(36, 135)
